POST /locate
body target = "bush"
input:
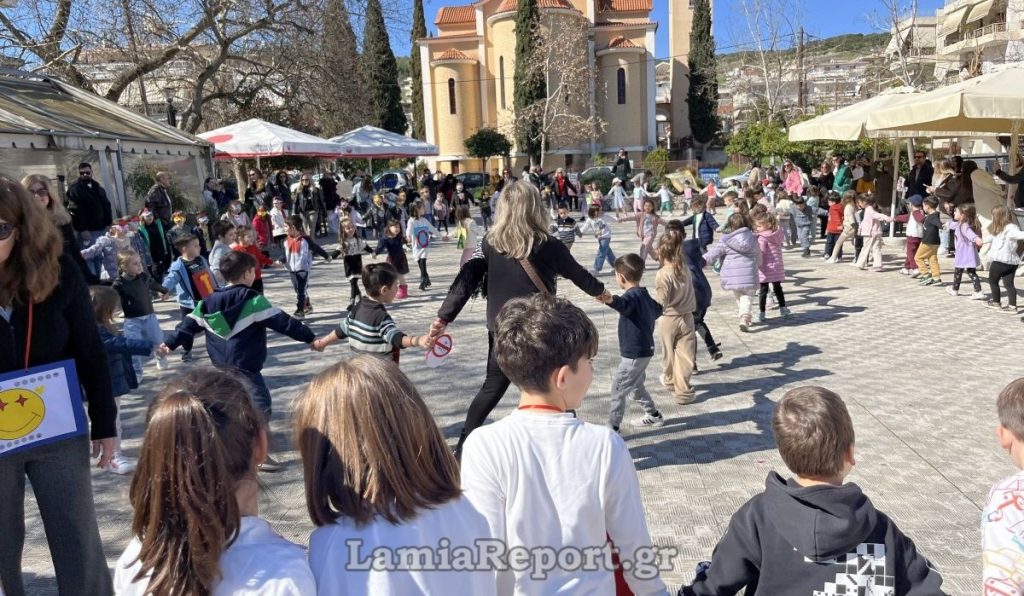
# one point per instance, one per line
(657, 162)
(603, 178)
(142, 178)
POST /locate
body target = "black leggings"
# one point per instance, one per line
(494, 388)
(702, 330)
(972, 273)
(777, 289)
(1004, 272)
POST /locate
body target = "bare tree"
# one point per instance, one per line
(769, 34)
(566, 116)
(900, 19)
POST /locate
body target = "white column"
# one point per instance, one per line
(652, 90)
(428, 93)
(485, 108)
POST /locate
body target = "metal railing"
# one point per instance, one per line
(986, 30)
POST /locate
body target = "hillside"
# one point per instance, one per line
(840, 46)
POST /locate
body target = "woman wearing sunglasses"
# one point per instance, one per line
(39, 187)
(45, 317)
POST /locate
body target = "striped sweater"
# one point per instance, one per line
(369, 328)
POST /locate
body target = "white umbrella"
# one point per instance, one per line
(256, 138)
(850, 123)
(370, 142)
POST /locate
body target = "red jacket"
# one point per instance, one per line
(254, 251)
(835, 219)
(261, 225)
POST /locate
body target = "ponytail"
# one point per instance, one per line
(670, 251)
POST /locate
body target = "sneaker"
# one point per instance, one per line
(648, 421)
(745, 323)
(951, 291)
(924, 279)
(993, 304)
(121, 465)
(186, 356)
(978, 296)
(805, 254)
(1010, 310)
(299, 314)
(832, 260)
(308, 309)
(161, 363)
(914, 272)
(785, 312)
(716, 355)
(270, 465)
(904, 271)
(932, 281)
(762, 318)
(614, 428)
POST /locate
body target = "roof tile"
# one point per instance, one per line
(621, 42)
(624, 5)
(452, 15)
(453, 54)
(511, 5)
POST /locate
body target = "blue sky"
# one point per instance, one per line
(823, 19)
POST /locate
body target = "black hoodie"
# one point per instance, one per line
(827, 540)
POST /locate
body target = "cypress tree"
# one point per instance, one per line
(337, 81)
(528, 80)
(419, 31)
(702, 95)
(380, 73)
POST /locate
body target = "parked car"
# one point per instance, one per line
(396, 180)
(474, 180)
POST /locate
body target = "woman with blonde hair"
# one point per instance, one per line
(46, 317)
(379, 475)
(39, 187)
(517, 258)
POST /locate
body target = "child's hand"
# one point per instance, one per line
(163, 350)
(164, 296)
(978, 242)
(424, 342)
(605, 298)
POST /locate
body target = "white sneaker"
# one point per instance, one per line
(978, 296)
(161, 363)
(648, 421)
(120, 464)
(951, 291)
(914, 272)
(904, 271)
(832, 260)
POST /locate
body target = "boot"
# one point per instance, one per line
(403, 292)
(355, 295)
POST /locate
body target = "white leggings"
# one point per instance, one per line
(744, 300)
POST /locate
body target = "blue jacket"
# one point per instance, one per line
(705, 231)
(177, 281)
(119, 359)
(695, 261)
(636, 324)
(236, 319)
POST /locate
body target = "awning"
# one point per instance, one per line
(255, 138)
(952, 21)
(369, 142)
(979, 11)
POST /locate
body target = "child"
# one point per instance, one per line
(694, 258)
(394, 244)
(120, 350)
(675, 293)
(235, 215)
(647, 223)
(441, 212)
(190, 278)
(378, 475)
(597, 226)
(106, 248)
(618, 197)
(641, 196)
(783, 209)
(927, 258)
(244, 243)
(279, 227)
(224, 235)
(637, 315)
(467, 234)
(770, 269)
(261, 226)
(152, 230)
(871, 229)
(565, 228)
(543, 463)
(736, 256)
(804, 217)
(666, 199)
(235, 319)
(858, 238)
(201, 231)
(704, 225)
(196, 527)
(179, 228)
(369, 327)
(419, 232)
(1002, 553)
(485, 210)
(915, 228)
(376, 216)
(1005, 251)
(135, 287)
(136, 242)
(839, 228)
(814, 534)
(352, 249)
(298, 252)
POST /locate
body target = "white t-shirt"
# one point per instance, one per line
(341, 555)
(554, 481)
(259, 562)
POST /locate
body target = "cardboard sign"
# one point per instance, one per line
(438, 354)
(40, 405)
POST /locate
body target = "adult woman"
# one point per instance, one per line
(39, 187)
(792, 182)
(45, 317)
(281, 188)
(622, 169)
(309, 205)
(364, 194)
(257, 194)
(517, 246)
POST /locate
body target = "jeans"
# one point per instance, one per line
(833, 246)
(260, 391)
(943, 241)
(95, 264)
(299, 281)
(780, 296)
(679, 350)
(59, 473)
(789, 229)
(494, 388)
(186, 342)
(628, 381)
(1002, 271)
(806, 236)
(145, 327)
(604, 253)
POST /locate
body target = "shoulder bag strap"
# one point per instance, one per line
(532, 274)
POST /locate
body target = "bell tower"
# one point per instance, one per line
(680, 22)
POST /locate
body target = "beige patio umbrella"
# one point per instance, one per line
(850, 123)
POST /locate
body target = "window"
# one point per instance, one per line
(621, 80)
(501, 80)
(451, 96)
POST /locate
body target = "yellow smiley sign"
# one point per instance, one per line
(21, 412)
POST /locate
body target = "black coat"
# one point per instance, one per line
(89, 207)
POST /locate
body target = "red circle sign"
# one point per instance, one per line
(443, 346)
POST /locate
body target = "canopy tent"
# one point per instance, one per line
(850, 123)
(255, 138)
(47, 127)
(370, 142)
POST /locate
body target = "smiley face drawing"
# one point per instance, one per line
(21, 412)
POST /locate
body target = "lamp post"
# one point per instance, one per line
(172, 114)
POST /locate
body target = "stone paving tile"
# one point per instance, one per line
(919, 370)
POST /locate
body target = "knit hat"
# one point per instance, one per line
(916, 200)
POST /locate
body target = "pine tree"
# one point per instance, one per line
(419, 31)
(337, 80)
(528, 80)
(702, 96)
(380, 74)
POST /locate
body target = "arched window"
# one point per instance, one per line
(621, 84)
(451, 96)
(501, 80)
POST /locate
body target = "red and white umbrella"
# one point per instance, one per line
(256, 138)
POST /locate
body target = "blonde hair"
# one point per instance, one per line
(670, 252)
(58, 213)
(105, 302)
(124, 256)
(522, 221)
(370, 446)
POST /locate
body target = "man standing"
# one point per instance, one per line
(920, 176)
(1018, 179)
(158, 200)
(90, 211)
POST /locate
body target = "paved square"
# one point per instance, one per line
(919, 370)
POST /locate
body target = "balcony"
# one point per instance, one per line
(993, 33)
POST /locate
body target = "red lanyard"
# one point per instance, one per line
(28, 336)
(542, 407)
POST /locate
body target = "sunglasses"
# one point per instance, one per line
(918, 157)
(39, 191)
(84, 173)
(6, 229)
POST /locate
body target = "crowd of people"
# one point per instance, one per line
(538, 502)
